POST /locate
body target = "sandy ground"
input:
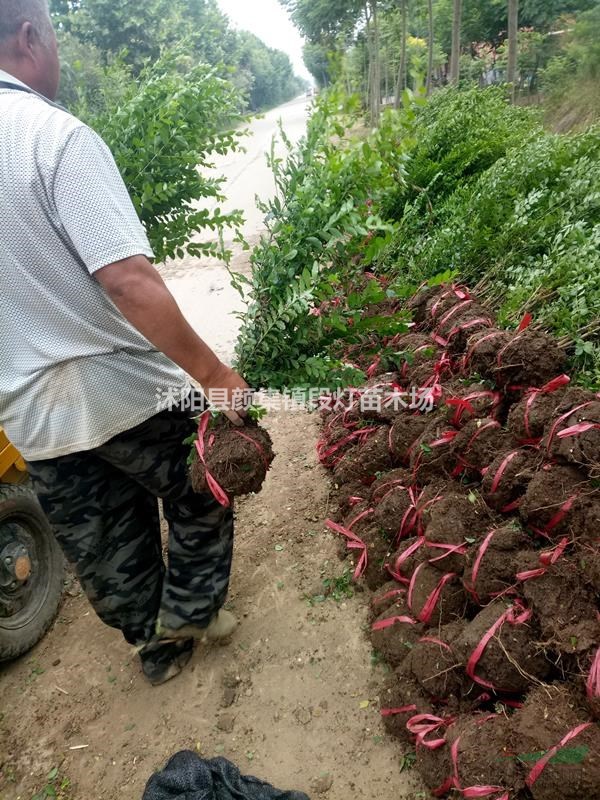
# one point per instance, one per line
(293, 698)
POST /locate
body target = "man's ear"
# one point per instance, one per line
(27, 39)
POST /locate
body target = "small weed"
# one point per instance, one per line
(36, 670)
(407, 761)
(57, 786)
(339, 588)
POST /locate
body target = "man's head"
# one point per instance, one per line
(28, 45)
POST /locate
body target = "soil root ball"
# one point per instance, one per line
(394, 633)
(405, 433)
(404, 561)
(432, 458)
(393, 509)
(564, 607)
(435, 665)
(440, 304)
(381, 398)
(378, 553)
(508, 477)
(464, 401)
(391, 595)
(478, 444)
(364, 460)
(528, 418)
(387, 481)
(554, 502)
(462, 321)
(415, 351)
(401, 699)
(530, 358)
(481, 351)
(574, 432)
(492, 564)
(418, 303)
(510, 659)
(343, 499)
(559, 750)
(238, 459)
(455, 520)
(435, 598)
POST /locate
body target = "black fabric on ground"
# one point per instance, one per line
(189, 777)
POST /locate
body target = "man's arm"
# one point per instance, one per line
(141, 295)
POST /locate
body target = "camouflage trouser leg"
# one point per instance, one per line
(104, 509)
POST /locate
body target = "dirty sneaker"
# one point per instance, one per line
(221, 626)
(163, 660)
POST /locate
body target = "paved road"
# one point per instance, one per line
(203, 289)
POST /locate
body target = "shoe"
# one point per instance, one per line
(221, 626)
(164, 660)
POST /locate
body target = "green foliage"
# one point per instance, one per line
(161, 129)
(308, 290)
(527, 224)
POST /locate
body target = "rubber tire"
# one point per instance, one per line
(19, 503)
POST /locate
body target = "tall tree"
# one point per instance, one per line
(430, 46)
(401, 81)
(455, 56)
(513, 43)
(375, 57)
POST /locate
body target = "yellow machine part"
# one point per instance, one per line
(12, 466)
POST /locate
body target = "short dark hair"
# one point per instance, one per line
(13, 13)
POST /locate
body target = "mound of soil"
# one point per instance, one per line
(382, 398)
(507, 478)
(343, 499)
(394, 633)
(390, 595)
(378, 553)
(404, 561)
(415, 350)
(481, 352)
(405, 433)
(458, 324)
(449, 298)
(574, 432)
(511, 657)
(529, 417)
(431, 458)
(392, 509)
(465, 401)
(362, 461)
(419, 302)
(530, 358)
(435, 665)
(491, 566)
(456, 520)
(478, 444)
(401, 699)
(434, 598)
(387, 481)
(565, 609)
(235, 459)
(588, 558)
(553, 503)
(557, 767)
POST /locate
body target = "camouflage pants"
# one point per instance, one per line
(103, 505)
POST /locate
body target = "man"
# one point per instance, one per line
(88, 332)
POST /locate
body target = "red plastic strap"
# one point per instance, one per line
(449, 549)
(592, 685)
(547, 559)
(390, 712)
(464, 404)
(557, 518)
(256, 444)
(404, 557)
(468, 325)
(374, 366)
(391, 484)
(477, 564)
(360, 434)
(502, 470)
(216, 489)
(575, 430)
(483, 339)
(387, 596)
(515, 615)
(453, 782)
(422, 725)
(387, 623)
(354, 542)
(525, 323)
(434, 640)
(548, 388)
(543, 762)
(460, 292)
(433, 598)
(454, 310)
(562, 418)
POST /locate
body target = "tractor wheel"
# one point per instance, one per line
(31, 571)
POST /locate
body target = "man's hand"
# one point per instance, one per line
(225, 378)
(141, 295)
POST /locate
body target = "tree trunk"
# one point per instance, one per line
(401, 82)
(376, 72)
(513, 44)
(455, 57)
(429, 84)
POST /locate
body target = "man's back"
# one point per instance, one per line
(73, 371)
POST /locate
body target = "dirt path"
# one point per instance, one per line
(284, 700)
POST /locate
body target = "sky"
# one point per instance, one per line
(269, 21)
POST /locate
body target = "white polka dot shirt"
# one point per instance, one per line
(73, 372)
